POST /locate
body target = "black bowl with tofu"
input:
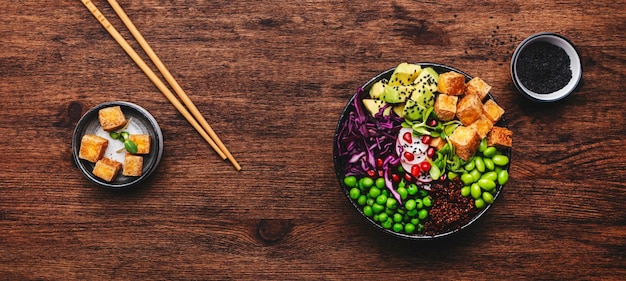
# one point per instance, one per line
(117, 144)
(441, 208)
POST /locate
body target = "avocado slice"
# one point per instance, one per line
(404, 74)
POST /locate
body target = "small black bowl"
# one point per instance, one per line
(339, 161)
(575, 66)
(140, 122)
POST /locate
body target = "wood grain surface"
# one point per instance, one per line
(272, 77)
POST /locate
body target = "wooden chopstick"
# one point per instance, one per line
(155, 79)
(170, 79)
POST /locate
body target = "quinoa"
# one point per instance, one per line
(450, 210)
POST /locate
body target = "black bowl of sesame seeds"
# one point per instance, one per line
(546, 67)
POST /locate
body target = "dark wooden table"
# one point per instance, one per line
(272, 77)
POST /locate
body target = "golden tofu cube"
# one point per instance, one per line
(465, 141)
(482, 126)
(133, 165)
(437, 143)
(477, 86)
(500, 137)
(469, 109)
(493, 111)
(451, 83)
(142, 142)
(111, 118)
(92, 147)
(106, 169)
(445, 107)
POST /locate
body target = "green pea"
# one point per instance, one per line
(500, 160)
(401, 184)
(427, 201)
(412, 213)
(398, 227)
(391, 203)
(422, 214)
(381, 199)
(412, 189)
(489, 164)
(387, 224)
(397, 217)
(467, 179)
(367, 182)
(409, 228)
(480, 165)
(355, 193)
(415, 221)
(400, 211)
(483, 145)
(423, 193)
(465, 191)
(419, 203)
(492, 175)
(503, 177)
(420, 227)
(390, 211)
(349, 181)
(470, 165)
(402, 192)
(479, 203)
(362, 200)
(400, 169)
(380, 183)
(486, 184)
(410, 204)
(475, 191)
(374, 192)
(368, 211)
(490, 151)
(377, 208)
(475, 175)
(487, 197)
(376, 217)
(452, 175)
(382, 216)
(370, 201)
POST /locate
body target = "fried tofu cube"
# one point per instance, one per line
(445, 107)
(451, 83)
(500, 137)
(476, 86)
(106, 169)
(92, 147)
(493, 111)
(469, 109)
(437, 143)
(111, 118)
(482, 126)
(142, 142)
(465, 141)
(133, 165)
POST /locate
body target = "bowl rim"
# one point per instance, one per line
(92, 113)
(337, 165)
(575, 64)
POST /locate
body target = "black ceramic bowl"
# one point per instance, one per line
(339, 162)
(140, 122)
(575, 67)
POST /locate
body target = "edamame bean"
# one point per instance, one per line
(483, 145)
(503, 177)
(355, 193)
(480, 165)
(452, 175)
(465, 191)
(367, 182)
(349, 181)
(475, 175)
(486, 184)
(487, 197)
(500, 160)
(489, 164)
(479, 203)
(475, 191)
(410, 204)
(490, 151)
(470, 165)
(492, 175)
(467, 179)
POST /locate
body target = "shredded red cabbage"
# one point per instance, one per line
(363, 138)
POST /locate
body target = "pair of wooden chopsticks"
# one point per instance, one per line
(203, 128)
